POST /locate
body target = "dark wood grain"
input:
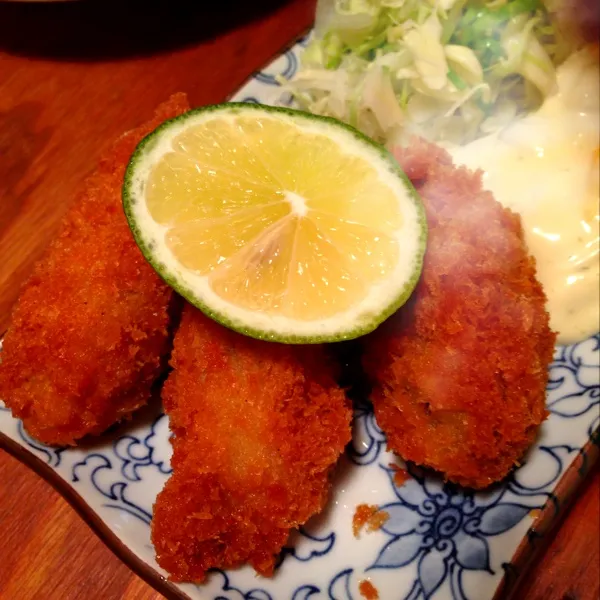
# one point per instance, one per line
(60, 108)
(47, 551)
(569, 567)
(72, 78)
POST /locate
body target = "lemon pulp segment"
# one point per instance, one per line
(277, 218)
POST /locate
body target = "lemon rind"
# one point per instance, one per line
(253, 323)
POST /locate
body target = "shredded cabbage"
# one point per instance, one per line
(449, 70)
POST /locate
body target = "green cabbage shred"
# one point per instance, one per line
(449, 70)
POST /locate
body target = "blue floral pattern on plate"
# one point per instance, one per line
(439, 541)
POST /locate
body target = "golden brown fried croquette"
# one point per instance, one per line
(460, 371)
(577, 22)
(91, 324)
(257, 427)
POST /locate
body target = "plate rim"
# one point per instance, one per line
(550, 516)
(94, 521)
(548, 519)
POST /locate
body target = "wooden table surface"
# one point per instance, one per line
(72, 78)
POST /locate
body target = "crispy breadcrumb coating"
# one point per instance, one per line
(460, 371)
(257, 427)
(90, 327)
(367, 590)
(369, 516)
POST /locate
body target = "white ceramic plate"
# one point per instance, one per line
(440, 542)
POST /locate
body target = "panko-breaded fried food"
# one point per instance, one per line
(90, 329)
(577, 21)
(257, 428)
(460, 371)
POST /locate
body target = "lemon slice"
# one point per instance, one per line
(279, 224)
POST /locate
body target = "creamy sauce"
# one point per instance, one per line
(545, 167)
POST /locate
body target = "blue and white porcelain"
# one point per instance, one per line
(440, 541)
